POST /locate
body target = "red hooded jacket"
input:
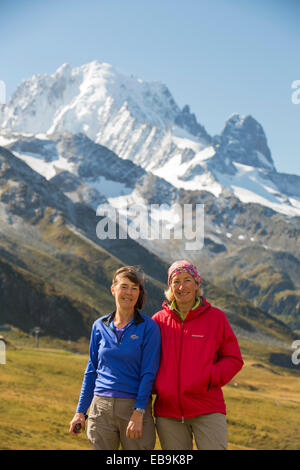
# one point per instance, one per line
(199, 355)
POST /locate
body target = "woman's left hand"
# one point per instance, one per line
(135, 426)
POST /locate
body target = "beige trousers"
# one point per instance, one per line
(210, 432)
(108, 421)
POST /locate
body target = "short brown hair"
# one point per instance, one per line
(135, 275)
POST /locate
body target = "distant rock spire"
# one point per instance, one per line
(243, 140)
(188, 121)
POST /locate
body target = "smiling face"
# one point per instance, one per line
(184, 288)
(126, 293)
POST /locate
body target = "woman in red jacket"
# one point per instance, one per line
(199, 355)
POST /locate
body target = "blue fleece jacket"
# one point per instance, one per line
(127, 365)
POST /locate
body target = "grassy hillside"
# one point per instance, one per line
(40, 387)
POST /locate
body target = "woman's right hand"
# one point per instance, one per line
(78, 418)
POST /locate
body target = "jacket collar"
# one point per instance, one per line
(173, 305)
(194, 312)
(137, 317)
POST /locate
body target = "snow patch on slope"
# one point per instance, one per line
(250, 185)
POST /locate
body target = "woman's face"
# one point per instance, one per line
(184, 288)
(126, 293)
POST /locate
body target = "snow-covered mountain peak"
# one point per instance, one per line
(64, 70)
(132, 117)
(84, 99)
(148, 102)
(243, 140)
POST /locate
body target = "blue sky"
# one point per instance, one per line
(218, 56)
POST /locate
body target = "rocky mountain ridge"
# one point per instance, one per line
(51, 262)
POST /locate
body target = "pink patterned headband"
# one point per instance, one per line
(177, 268)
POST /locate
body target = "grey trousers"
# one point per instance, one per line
(210, 432)
(108, 421)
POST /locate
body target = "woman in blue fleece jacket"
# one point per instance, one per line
(118, 380)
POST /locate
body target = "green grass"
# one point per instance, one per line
(39, 390)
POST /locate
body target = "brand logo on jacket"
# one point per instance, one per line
(134, 337)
